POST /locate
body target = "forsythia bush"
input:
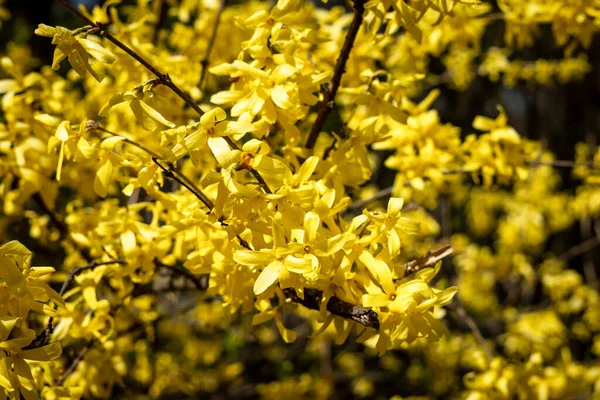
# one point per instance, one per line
(202, 173)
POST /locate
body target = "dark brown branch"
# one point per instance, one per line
(169, 173)
(312, 300)
(163, 79)
(330, 91)
(211, 43)
(189, 185)
(163, 7)
(75, 362)
(260, 180)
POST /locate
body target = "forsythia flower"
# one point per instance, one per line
(74, 46)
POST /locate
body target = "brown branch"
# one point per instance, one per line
(312, 300)
(330, 91)
(163, 8)
(430, 258)
(211, 43)
(369, 318)
(169, 173)
(580, 249)
(163, 79)
(94, 126)
(199, 282)
(260, 180)
(359, 205)
(537, 163)
(75, 362)
(562, 164)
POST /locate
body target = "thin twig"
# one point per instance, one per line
(93, 125)
(185, 183)
(428, 260)
(75, 362)
(330, 91)
(359, 205)
(211, 43)
(580, 249)
(562, 163)
(537, 163)
(201, 284)
(163, 78)
(260, 180)
(462, 313)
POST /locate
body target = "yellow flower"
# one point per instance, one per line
(74, 46)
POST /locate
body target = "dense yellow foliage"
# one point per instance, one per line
(202, 182)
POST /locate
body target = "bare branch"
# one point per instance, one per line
(580, 249)
(330, 91)
(430, 258)
(75, 362)
(462, 313)
(211, 43)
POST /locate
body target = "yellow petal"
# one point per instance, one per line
(253, 258)
(375, 300)
(45, 353)
(128, 242)
(281, 98)
(267, 277)
(102, 179)
(210, 119)
(45, 30)
(307, 169)
(5, 378)
(11, 275)
(299, 265)
(155, 115)
(110, 143)
(62, 131)
(395, 206)
(89, 294)
(312, 222)
(288, 335)
(379, 270)
(96, 50)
